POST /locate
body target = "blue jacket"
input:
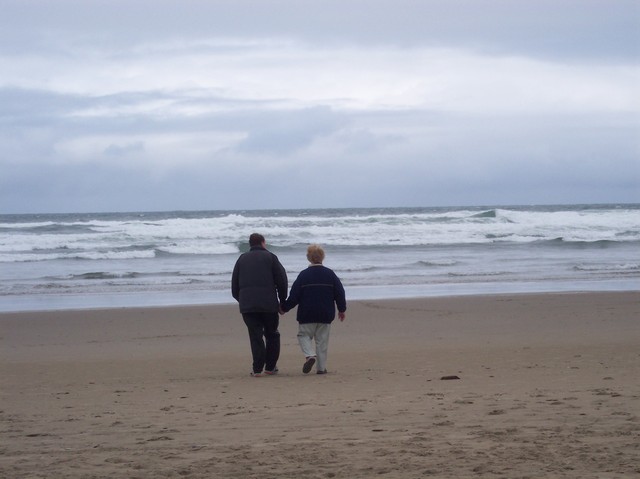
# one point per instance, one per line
(316, 291)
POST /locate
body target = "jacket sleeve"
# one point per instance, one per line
(280, 279)
(294, 296)
(339, 294)
(235, 283)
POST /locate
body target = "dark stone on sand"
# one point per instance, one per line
(448, 378)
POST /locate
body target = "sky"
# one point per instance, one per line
(163, 105)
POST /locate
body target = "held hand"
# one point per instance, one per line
(341, 315)
(281, 311)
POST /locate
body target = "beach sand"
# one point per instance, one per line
(549, 386)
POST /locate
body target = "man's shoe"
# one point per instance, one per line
(256, 375)
(308, 364)
(322, 372)
(271, 373)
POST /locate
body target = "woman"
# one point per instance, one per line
(316, 291)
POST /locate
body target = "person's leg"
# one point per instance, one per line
(322, 345)
(305, 337)
(272, 337)
(306, 332)
(256, 332)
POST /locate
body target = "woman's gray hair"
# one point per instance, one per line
(315, 254)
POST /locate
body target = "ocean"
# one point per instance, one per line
(60, 261)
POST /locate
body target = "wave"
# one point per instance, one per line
(77, 256)
(622, 268)
(115, 236)
(50, 227)
(497, 236)
(100, 275)
(486, 214)
(479, 275)
(200, 249)
(632, 234)
(363, 269)
(138, 252)
(104, 275)
(399, 267)
(596, 243)
(436, 264)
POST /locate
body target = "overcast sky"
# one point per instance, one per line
(142, 105)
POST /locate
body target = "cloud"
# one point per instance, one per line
(280, 103)
(124, 150)
(583, 29)
(185, 81)
(288, 132)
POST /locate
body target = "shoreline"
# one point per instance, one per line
(61, 302)
(546, 388)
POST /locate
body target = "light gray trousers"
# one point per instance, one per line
(318, 333)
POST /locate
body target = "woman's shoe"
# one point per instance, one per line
(308, 364)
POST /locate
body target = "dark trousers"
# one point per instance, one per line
(265, 339)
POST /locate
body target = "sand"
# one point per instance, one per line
(549, 386)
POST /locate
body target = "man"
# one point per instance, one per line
(259, 284)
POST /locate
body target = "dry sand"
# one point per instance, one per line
(549, 387)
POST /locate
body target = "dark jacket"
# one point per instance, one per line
(259, 281)
(316, 291)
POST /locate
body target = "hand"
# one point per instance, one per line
(281, 311)
(341, 315)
